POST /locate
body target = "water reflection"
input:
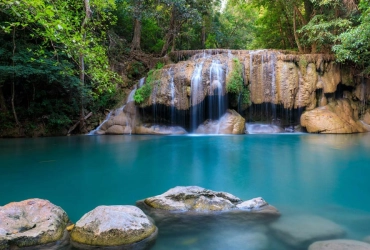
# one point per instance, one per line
(326, 175)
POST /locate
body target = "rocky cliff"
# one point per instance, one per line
(209, 82)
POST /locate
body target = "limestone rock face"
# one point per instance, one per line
(362, 91)
(199, 200)
(300, 231)
(366, 118)
(339, 245)
(113, 226)
(150, 129)
(336, 117)
(230, 123)
(30, 223)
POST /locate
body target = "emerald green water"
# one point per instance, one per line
(326, 175)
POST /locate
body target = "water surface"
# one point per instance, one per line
(326, 175)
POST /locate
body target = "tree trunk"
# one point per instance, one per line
(3, 108)
(170, 34)
(135, 45)
(13, 83)
(82, 64)
(309, 8)
(173, 43)
(295, 32)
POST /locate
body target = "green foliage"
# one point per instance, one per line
(234, 28)
(354, 44)
(159, 65)
(143, 93)
(322, 30)
(235, 84)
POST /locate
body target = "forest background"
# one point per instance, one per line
(63, 63)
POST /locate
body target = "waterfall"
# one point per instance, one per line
(274, 97)
(217, 82)
(116, 112)
(196, 90)
(172, 92)
(141, 82)
(95, 131)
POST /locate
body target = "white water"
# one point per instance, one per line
(116, 112)
(172, 92)
(141, 82)
(196, 88)
(217, 81)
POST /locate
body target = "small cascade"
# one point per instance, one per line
(196, 90)
(96, 131)
(141, 82)
(217, 87)
(172, 92)
(115, 113)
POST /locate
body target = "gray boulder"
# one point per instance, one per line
(199, 200)
(339, 245)
(114, 226)
(299, 231)
(31, 222)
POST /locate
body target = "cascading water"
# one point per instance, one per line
(141, 82)
(172, 92)
(196, 89)
(116, 112)
(217, 82)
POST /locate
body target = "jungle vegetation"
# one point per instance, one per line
(62, 60)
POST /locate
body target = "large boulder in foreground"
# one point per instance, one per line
(31, 222)
(338, 117)
(198, 200)
(299, 231)
(339, 245)
(114, 226)
(230, 123)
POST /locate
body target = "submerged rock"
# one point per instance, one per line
(198, 200)
(299, 231)
(334, 118)
(114, 226)
(152, 129)
(339, 245)
(31, 222)
(230, 123)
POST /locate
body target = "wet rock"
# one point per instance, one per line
(339, 245)
(366, 118)
(362, 91)
(198, 200)
(336, 117)
(230, 123)
(299, 231)
(114, 226)
(31, 222)
(330, 78)
(263, 129)
(151, 129)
